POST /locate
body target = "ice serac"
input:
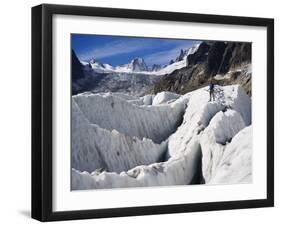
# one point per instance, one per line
(236, 163)
(175, 171)
(148, 99)
(97, 148)
(196, 118)
(222, 128)
(212, 124)
(212, 144)
(200, 111)
(236, 98)
(164, 97)
(111, 112)
(145, 100)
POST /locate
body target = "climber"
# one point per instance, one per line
(212, 89)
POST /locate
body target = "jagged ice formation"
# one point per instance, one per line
(125, 141)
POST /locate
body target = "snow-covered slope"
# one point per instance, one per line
(192, 49)
(152, 150)
(101, 68)
(171, 67)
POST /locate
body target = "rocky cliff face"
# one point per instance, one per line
(77, 68)
(137, 64)
(83, 77)
(227, 62)
(156, 67)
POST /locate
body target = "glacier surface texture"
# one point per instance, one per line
(120, 140)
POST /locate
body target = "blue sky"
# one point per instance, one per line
(116, 50)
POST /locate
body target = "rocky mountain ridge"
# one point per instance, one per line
(226, 62)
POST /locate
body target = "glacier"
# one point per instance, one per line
(120, 141)
(113, 112)
(108, 150)
(164, 97)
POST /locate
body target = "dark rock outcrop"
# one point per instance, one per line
(200, 55)
(76, 67)
(156, 67)
(181, 56)
(234, 55)
(83, 77)
(211, 59)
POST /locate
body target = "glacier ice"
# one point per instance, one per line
(112, 112)
(236, 98)
(164, 97)
(97, 148)
(235, 165)
(221, 129)
(125, 141)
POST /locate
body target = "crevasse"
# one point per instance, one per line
(125, 141)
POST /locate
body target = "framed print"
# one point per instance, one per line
(145, 112)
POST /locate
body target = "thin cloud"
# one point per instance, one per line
(164, 57)
(118, 48)
(115, 48)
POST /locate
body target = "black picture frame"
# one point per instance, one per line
(42, 197)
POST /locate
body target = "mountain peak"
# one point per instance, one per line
(137, 64)
(138, 59)
(171, 62)
(92, 60)
(181, 56)
(156, 67)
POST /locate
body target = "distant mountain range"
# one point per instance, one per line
(134, 77)
(227, 62)
(138, 65)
